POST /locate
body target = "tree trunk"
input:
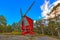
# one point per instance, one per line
(42, 31)
(58, 34)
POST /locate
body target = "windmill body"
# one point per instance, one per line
(27, 26)
(26, 22)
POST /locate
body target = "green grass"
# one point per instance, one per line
(16, 33)
(12, 33)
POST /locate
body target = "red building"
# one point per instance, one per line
(27, 25)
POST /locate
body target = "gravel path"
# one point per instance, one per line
(45, 38)
(18, 37)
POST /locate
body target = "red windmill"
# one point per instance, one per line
(26, 22)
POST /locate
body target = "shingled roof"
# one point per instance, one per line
(54, 8)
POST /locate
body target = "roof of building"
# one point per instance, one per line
(54, 8)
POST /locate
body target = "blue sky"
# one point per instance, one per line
(11, 9)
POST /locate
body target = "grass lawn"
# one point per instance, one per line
(12, 33)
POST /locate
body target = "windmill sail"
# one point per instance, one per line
(21, 12)
(29, 8)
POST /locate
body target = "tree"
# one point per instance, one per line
(9, 28)
(58, 28)
(52, 27)
(2, 20)
(2, 23)
(15, 27)
(40, 26)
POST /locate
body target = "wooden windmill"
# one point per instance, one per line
(26, 22)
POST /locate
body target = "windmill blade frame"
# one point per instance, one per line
(29, 7)
(21, 16)
(21, 13)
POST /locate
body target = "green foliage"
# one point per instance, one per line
(2, 24)
(2, 20)
(2, 29)
(52, 27)
(15, 27)
(9, 28)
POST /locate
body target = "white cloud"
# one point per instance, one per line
(46, 8)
